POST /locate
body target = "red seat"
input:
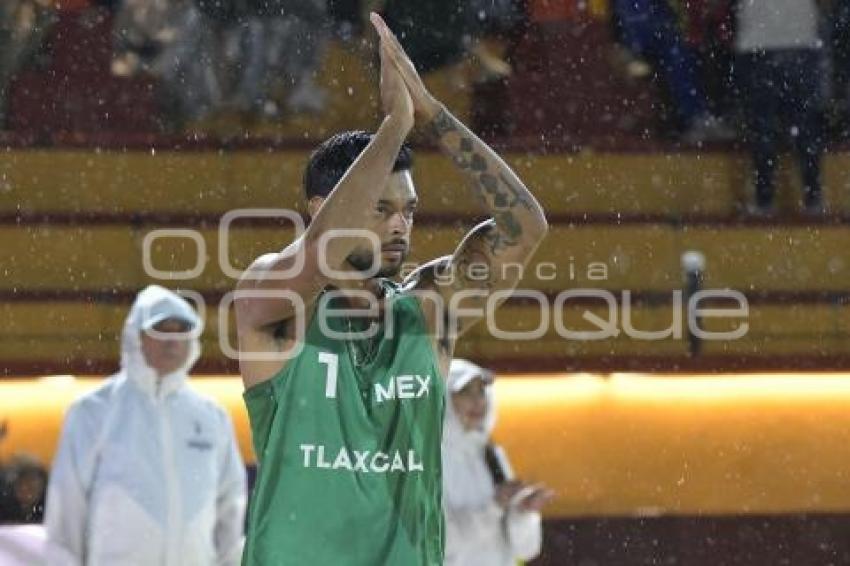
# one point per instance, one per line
(72, 5)
(77, 92)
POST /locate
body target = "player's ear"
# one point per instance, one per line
(313, 206)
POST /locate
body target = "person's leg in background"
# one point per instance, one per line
(800, 73)
(649, 29)
(756, 79)
(189, 87)
(840, 51)
(709, 33)
(251, 65)
(679, 69)
(298, 36)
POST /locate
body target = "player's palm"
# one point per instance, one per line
(425, 105)
(395, 97)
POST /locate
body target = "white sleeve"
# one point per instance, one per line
(468, 523)
(524, 530)
(67, 498)
(230, 503)
(525, 533)
(471, 529)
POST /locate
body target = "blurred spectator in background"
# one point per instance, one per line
(440, 33)
(170, 40)
(23, 26)
(709, 32)
(650, 29)
(492, 519)
(780, 74)
(21, 544)
(295, 35)
(22, 490)
(347, 18)
(213, 55)
(500, 20)
(147, 471)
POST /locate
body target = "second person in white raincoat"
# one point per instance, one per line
(148, 472)
(491, 518)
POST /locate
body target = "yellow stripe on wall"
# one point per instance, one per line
(213, 182)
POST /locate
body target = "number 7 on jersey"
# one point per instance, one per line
(332, 361)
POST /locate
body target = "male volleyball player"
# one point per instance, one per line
(347, 429)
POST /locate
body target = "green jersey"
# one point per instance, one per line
(347, 438)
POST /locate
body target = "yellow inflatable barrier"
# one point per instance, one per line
(623, 444)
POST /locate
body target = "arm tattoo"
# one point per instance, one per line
(516, 194)
(497, 242)
(441, 125)
(509, 225)
(496, 192)
(494, 188)
(468, 159)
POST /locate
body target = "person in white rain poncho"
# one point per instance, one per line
(147, 471)
(491, 518)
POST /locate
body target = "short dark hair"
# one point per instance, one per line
(329, 162)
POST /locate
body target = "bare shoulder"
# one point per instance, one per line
(278, 286)
(272, 265)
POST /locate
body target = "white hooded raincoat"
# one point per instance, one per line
(478, 531)
(147, 473)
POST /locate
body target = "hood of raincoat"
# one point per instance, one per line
(461, 372)
(478, 530)
(153, 305)
(467, 481)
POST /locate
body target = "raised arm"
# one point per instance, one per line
(517, 224)
(350, 206)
